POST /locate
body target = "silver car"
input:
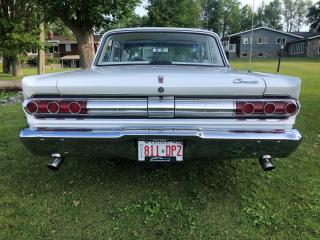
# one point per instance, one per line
(161, 95)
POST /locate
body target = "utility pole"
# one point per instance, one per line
(41, 52)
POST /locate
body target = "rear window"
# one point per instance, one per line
(160, 49)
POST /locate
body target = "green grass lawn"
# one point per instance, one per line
(221, 199)
(30, 71)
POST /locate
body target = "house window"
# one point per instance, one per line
(244, 54)
(297, 48)
(260, 54)
(68, 47)
(262, 40)
(247, 40)
(281, 41)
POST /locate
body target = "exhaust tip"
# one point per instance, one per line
(266, 163)
(56, 162)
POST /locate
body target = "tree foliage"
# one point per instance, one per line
(272, 15)
(83, 17)
(221, 16)
(314, 17)
(246, 14)
(294, 13)
(19, 30)
(174, 13)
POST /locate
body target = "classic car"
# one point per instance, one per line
(161, 95)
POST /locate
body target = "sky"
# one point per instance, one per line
(141, 11)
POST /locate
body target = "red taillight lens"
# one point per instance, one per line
(291, 108)
(56, 107)
(276, 108)
(31, 107)
(53, 107)
(74, 107)
(248, 109)
(269, 108)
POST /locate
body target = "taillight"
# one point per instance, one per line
(291, 108)
(31, 107)
(269, 108)
(248, 108)
(74, 107)
(53, 107)
(262, 108)
(56, 107)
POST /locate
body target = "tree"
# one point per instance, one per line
(133, 20)
(221, 16)
(294, 13)
(211, 15)
(314, 17)
(272, 15)
(246, 14)
(231, 16)
(19, 21)
(174, 13)
(259, 20)
(83, 17)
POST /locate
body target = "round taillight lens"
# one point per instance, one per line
(74, 108)
(53, 107)
(32, 107)
(248, 108)
(269, 108)
(291, 108)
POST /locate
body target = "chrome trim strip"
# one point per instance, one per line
(185, 107)
(289, 135)
(118, 107)
(161, 107)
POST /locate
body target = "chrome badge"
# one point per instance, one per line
(160, 79)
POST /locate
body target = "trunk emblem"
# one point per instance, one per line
(160, 89)
(160, 78)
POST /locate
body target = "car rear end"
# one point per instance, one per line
(162, 112)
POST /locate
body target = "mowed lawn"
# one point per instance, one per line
(30, 71)
(213, 199)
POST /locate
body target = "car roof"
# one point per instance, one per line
(161, 29)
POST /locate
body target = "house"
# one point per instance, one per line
(64, 48)
(267, 42)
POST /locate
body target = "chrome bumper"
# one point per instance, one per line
(206, 142)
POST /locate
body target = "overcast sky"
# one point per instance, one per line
(141, 11)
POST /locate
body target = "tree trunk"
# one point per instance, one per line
(6, 65)
(85, 42)
(16, 67)
(41, 52)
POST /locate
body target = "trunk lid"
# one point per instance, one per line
(147, 80)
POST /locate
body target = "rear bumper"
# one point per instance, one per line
(199, 143)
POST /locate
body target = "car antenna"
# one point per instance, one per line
(252, 20)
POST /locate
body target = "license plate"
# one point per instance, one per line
(160, 150)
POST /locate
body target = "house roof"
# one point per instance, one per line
(70, 57)
(266, 28)
(307, 34)
(70, 40)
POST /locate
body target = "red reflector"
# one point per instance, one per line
(291, 108)
(248, 108)
(269, 108)
(32, 107)
(74, 107)
(53, 107)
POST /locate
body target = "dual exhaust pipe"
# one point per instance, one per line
(266, 163)
(57, 161)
